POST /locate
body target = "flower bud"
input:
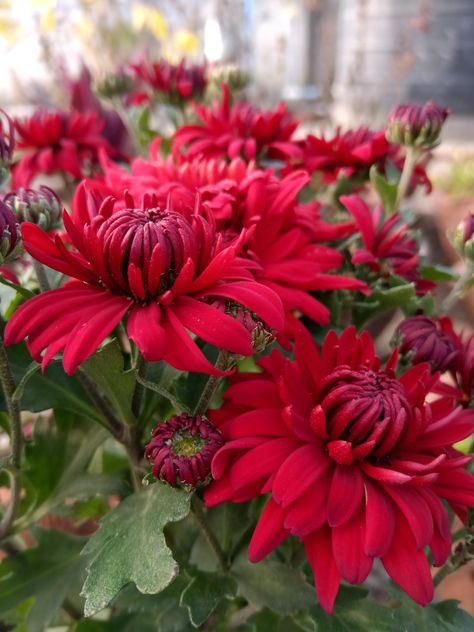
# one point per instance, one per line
(427, 340)
(7, 147)
(42, 207)
(463, 237)
(231, 74)
(416, 125)
(10, 238)
(261, 336)
(114, 85)
(182, 448)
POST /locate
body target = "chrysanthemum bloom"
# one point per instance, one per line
(285, 251)
(428, 340)
(463, 238)
(416, 125)
(156, 264)
(355, 460)
(41, 206)
(7, 145)
(388, 248)
(228, 131)
(57, 141)
(170, 82)
(350, 153)
(182, 448)
(10, 239)
(461, 385)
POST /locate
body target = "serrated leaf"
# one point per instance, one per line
(273, 585)
(106, 369)
(47, 573)
(130, 546)
(386, 190)
(204, 593)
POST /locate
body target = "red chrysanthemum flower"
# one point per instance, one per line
(428, 340)
(181, 450)
(461, 385)
(228, 131)
(355, 460)
(57, 141)
(161, 266)
(388, 249)
(175, 83)
(349, 153)
(284, 252)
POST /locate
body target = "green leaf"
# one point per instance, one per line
(386, 190)
(130, 546)
(273, 585)
(204, 593)
(394, 296)
(438, 273)
(47, 573)
(106, 369)
(54, 389)
(56, 461)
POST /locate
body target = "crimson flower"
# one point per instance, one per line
(461, 371)
(285, 250)
(348, 153)
(228, 131)
(175, 83)
(428, 340)
(388, 249)
(160, 266)
(355, 460)
(181, 450)
(57, 141)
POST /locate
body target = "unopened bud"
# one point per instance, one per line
(463, 237)
(42, 207)
(416, 125)
(10, 238)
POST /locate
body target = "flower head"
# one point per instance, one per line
(388, 249)
(182, 448)
(158, 265)
(41, 206)
(10, 238)
(463, 237)
(114, 84)
(170, 82)
(230, 130)
(428, 340)
(355, 460)
(417, 125)
(57, 141)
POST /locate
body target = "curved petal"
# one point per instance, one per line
(269, 532)
(144, 329)
(326, 575)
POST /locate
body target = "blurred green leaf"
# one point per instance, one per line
(130, 546)
(273, 585)
(106, 369)
(438, 273)
(204, 593)
(387, 190)
(48, 573)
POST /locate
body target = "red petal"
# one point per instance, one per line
(326, 575)
(144, 329)
(379, 520)
(269, 532)
(345, 494)
(348, 549)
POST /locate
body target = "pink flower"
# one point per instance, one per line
(160, 266)
(428, 340)
(231, 130)
(57, 141)
(388, 249)
(355, 459)
(175, 83)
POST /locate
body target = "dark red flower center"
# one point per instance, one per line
(366, 412)
(150, 245)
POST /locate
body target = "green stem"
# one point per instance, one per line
(212, 383)
(41, 277)
(459, 287)
(196, 508)
(411, 159)
(16, 441)
(141, 367)
(447, 569)
(111, 421)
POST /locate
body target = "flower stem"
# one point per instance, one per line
(111, 421)
(411, 159)
(141, 370)
(16, 440)
(41, 277)
(212, 383)
(459, 288)
(196, 508)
